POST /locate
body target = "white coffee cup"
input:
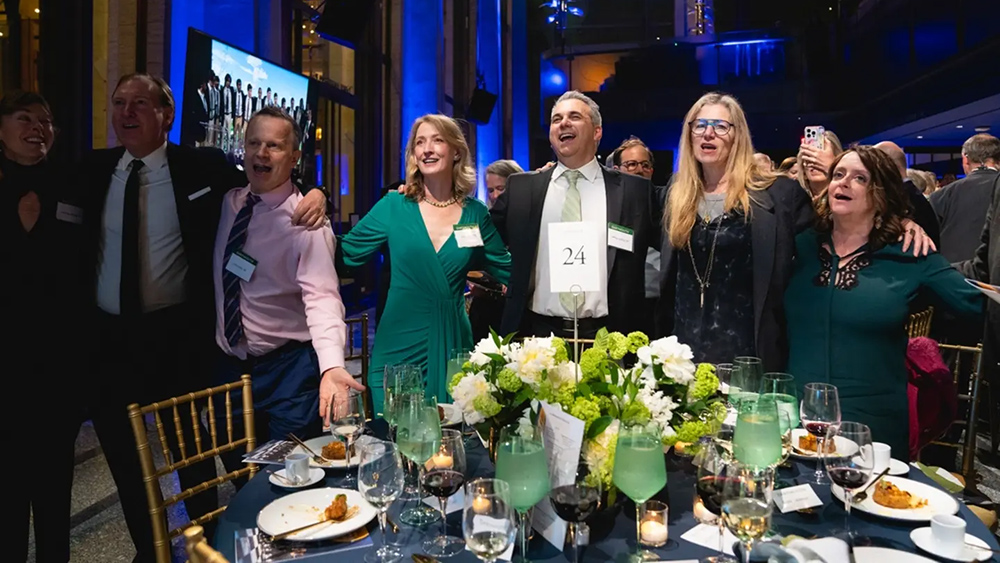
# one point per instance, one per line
(949, 533)
(882, 454)
(297, 468)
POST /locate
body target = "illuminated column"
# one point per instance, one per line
(694, 20)
(488, 61)
(422, 64)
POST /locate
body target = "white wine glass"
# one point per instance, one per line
(347, 422)
(488, 518)
(380, 481)
(746, 504)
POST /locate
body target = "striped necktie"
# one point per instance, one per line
(231, 282)
(572, 211)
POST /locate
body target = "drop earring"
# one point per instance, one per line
(878, 222)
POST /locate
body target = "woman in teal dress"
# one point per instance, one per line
(436, 233)
(848, 299)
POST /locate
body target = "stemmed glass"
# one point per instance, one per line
(444, 477)
(488, 518)
(380, 481)
(457, 359)
(708, 494)
(402, 379)
(347, 421)
(640, 470)
(820, 408)
(745, 380)
(853, 471)
(418, 435)
(725, 374)
(757, 438)
(782, 389)
(576, 500)
(523, 464)
(746, 504)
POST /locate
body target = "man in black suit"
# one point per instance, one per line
(923, 213)
(576, 189)
(197, 125)
(961, 207)
(214, 110)
(151, 214)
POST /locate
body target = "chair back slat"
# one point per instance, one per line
(919, 324)
(178, 428)
(361, 353)
(212, 430)
(229, 417)
(195, 421)
(966, 358)
(161, 434)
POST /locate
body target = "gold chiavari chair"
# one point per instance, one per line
(920, 323)
(198, 549)
(974, 356)
(360, 353)
(200, 453)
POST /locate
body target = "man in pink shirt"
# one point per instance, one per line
(279, 316)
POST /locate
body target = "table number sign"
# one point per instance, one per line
(574, 257)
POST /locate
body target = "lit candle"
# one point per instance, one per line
(480, 504)
(653, 533)
(441, 460)
(701, 513)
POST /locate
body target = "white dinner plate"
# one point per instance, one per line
(316, 445)
(305, 507)
(938, 501)
(845, 447)
(279, 479)
(886, 555)
(452, 415)
(924, 539)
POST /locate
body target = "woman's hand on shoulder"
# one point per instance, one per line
(914, 234)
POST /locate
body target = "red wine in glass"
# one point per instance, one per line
(574, 503)
(709, 490)
(849, 478)
(443, 483)
(817, 429)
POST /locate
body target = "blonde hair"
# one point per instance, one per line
(838, 149)
(463, 174)
(742, 171)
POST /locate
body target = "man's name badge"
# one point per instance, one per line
(241, 265)
(620, 237)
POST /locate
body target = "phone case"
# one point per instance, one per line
(814, 136)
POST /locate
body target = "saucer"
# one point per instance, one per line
(923, 538)
(315, 476)
(897, 467)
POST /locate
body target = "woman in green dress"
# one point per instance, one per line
(847, 302)
(436, 232)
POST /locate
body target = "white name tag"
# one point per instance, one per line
(199, 193)
(242, 265)
(69, 213)
(620, 237)
(574, 257)
(795, 498)
(468, 236)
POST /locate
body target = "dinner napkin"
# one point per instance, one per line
(941, 476)
(798, 550)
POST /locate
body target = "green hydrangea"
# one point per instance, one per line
(637, 340)
(590, 363)
(605, 403)
(689, 432)
(705, 383)
(508, 380)
(562, 355)
(563, 396)
(585, 409)
(635, 412)
(602, 473)
(454, 381)
(617, 345)
(486, 405)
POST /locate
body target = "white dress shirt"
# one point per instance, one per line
(594, 204)
(162, 262)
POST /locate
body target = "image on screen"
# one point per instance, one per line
(224, 87)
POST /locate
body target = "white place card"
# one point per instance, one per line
(708, 537)
(456, 502)
(575, 257)
(796, 498)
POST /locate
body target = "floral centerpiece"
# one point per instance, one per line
(620, 379)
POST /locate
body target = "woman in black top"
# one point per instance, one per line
(43, 298)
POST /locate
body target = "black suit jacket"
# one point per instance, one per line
(923, 213)
(777, 215)
(961, 208)
(631, 203)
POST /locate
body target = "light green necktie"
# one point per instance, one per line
(572, 211)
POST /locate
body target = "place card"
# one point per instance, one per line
(796, 498)
(708, 537)
(456, 502)
(562, 434)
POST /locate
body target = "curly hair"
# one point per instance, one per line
(463, 174)
(885, 191)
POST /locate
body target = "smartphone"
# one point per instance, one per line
(814, 136)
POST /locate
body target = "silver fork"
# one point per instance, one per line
(317, 458)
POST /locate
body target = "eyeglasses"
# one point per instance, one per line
(720, 126)
(630, 165)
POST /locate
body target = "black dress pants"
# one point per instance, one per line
(152, 358)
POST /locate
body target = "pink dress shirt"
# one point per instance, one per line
(293, 293)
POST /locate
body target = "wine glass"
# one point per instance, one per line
(820, 408)
(418, 435)
(640, 470)
(523, 463)
(399, 378)
(725, 374)
(457, 359)
(782, 389)
(488, 518)
(850, 472)
(575, 499)
(380, 481)
(745, 380)
(757, 438)
(746, 504)
(711, 478)
(347, 421)
(444, 477)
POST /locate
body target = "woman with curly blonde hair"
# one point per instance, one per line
(436, 232)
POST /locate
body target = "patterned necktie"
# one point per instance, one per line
(572, 211)
(231, 282)
(130, 297)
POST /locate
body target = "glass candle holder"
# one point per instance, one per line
(653, 523)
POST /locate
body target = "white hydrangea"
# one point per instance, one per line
(674, 357)
(465, 393)
(532, 359)
(562, 375)
(661, 407)
(486, 346)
